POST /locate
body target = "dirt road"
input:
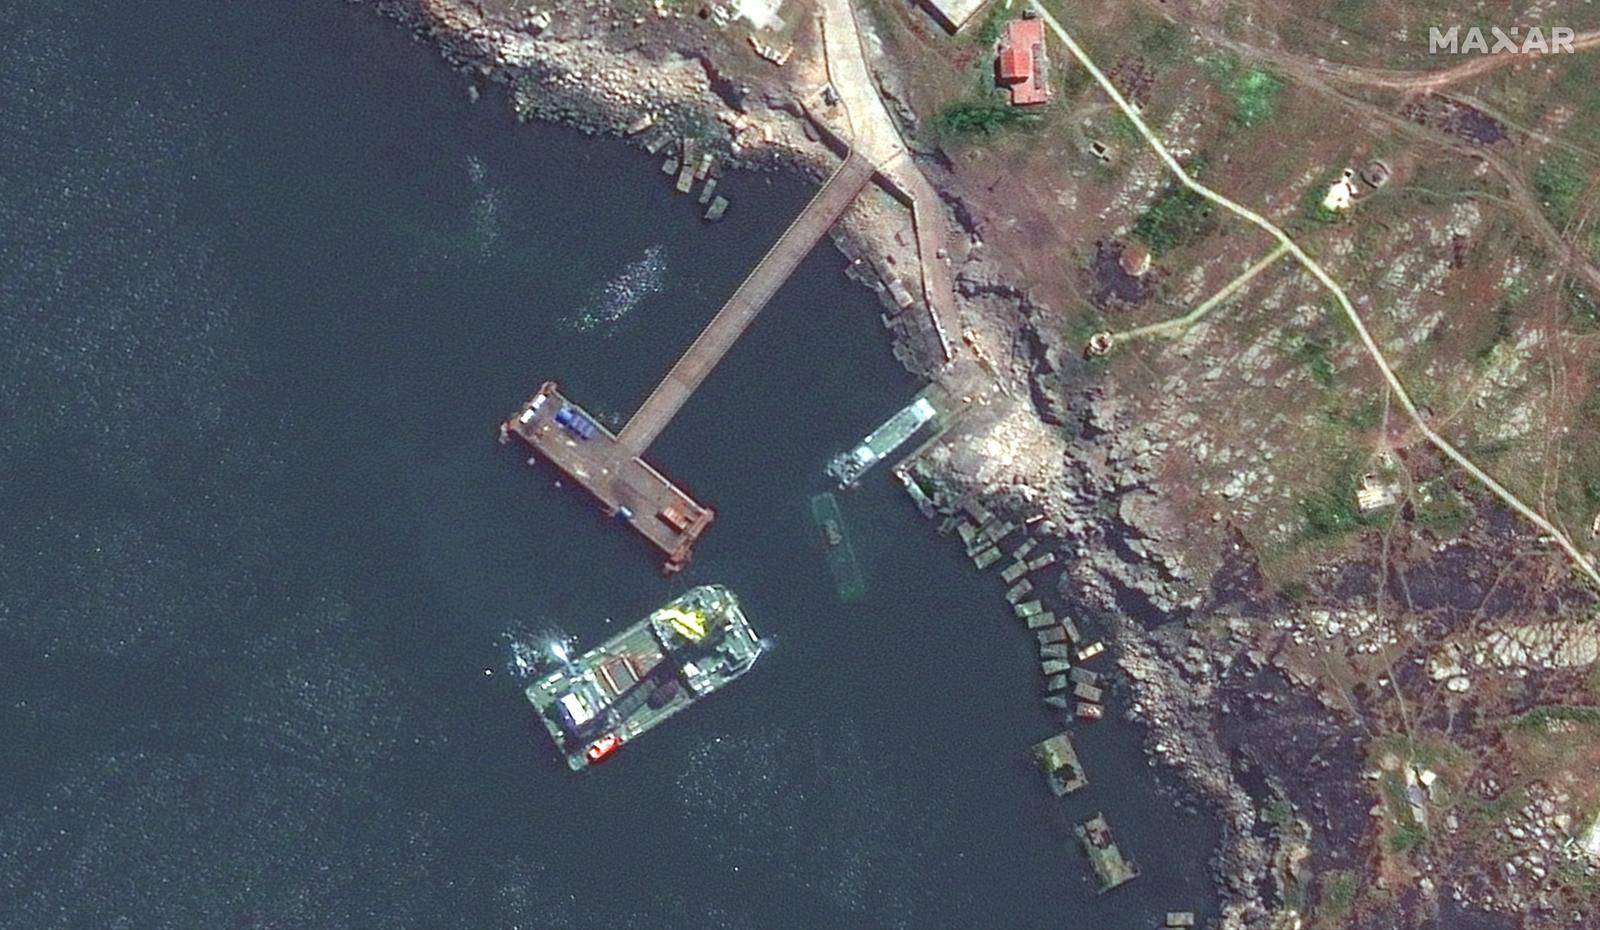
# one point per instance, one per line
(877, 137)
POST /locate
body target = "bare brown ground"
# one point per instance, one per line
(1426, 82)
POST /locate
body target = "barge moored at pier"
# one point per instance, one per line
(689, 647)
(848, 467)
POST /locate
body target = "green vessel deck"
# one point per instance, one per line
(1059, 761)
(847, 577)
(686, 649)
(848, 467)
(1111, 868)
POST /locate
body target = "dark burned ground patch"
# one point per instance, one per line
(1453, 917)
(1313, 754)
(1238, 584)
(1493, 573)
(1459, 578)
(1355, 579)
(1408, 908)
(1135, 79)
(1456, 118)
(1112, 285)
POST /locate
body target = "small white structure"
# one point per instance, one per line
(1373, 494)
(778, 56)
(762, 14)
(1591, 840)
(1343, 192)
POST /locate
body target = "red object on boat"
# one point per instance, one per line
(602, 747)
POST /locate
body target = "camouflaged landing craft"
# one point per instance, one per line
(686, 649)
(848, 467)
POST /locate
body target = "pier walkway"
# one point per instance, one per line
(612, 467)
(740, 311)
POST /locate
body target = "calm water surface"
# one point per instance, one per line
(268, 281)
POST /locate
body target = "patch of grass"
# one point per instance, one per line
(1162, 43)
(1330, 512)
(1278, 812)
(1295, 591)
(1540, 718)
(1505, 327)
(1365, 417)
(1577, 495)
(1351, 14)
(1176, 217)
(994, 22)
(1314, 355)
(1438, 509)
(981, 118)
(1426, 753)
(1123, 128)
(1255, 96)
(1406, 837)
(1589, 411)
(1576, 78)
(1486, 811)
(1254, 91)
(1338, 892)
(1294, 896)
(1080, 326)
(1405, 833)
(1517, 291)
(1582, 306)
(1579, 879)
(1359, 419)
(1221, 66)
(1311, 207)
(1073, 78)
(1559, 181)
(1078, 329)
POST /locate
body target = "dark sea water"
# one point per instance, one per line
(268, 281)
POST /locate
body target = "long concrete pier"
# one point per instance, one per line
(740, 311)
(612, 467)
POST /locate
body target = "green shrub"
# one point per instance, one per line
(1255, 96)
(1313, 353)
(981, 118)
(1254, 91)
(1338, 893)
(1179, 215)
(1559, 182)
(1406, 837)
(1540, 718)
(1331, 511)
(994, 22)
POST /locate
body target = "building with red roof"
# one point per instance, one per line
(1021, 66)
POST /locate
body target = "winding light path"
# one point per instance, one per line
(1177, 325)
